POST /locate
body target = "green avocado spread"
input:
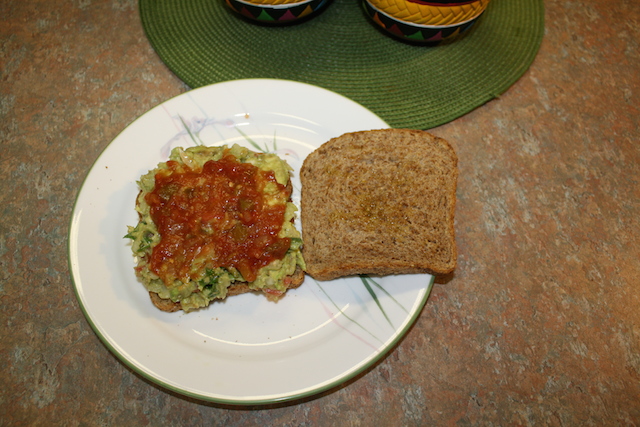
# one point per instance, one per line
(198, 265)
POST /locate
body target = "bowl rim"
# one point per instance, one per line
(274, 6)
(457, 24)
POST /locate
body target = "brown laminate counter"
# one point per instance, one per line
(540, 325)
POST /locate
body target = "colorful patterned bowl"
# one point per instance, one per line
(424, 21)
(277, 12)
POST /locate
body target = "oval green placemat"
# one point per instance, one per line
(408, 86)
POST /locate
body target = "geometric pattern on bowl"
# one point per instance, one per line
(285, 12)
(416, 33)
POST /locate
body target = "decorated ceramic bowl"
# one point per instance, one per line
(428, 21)
(277, 11)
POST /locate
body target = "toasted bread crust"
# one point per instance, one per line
(164, 304)
(379, 202)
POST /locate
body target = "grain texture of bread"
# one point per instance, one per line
(379, 202)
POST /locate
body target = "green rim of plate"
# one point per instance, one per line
(409, 86)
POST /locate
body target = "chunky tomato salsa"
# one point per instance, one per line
(229, 214)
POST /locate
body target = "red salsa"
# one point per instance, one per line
(219, 216)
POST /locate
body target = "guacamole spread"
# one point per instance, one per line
(214, 217)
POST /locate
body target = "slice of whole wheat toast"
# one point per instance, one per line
(379, 202)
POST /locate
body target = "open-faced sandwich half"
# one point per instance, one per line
(215, 222)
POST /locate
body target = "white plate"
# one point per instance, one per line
(245, 350)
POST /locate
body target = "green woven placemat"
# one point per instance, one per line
(408, 86)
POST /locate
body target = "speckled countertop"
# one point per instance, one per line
(540, 324)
